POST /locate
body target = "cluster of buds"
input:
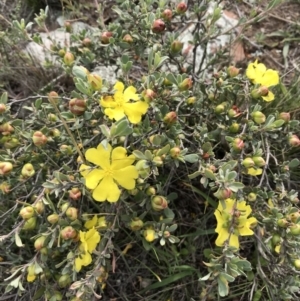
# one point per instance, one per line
(254, 161)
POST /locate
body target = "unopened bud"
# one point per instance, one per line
(167, 15)
(176, 47)
(105, 37)
(39, 139)
(258, 92)
(223, 193)
(69, 58)
(259, 161)
(285, 116)
(28, 170)
(159, 203)
(68, 233)
(238, 144)
(252, 197)
(150, 191)
(66, 149)
(148, 95)
(258, 117)
(27, 212)
(39, 242)
(75, 194)
(158, 26)
(248, 162)
(2, 108)
(77, 106)
(64, 280)
(181, 8)
(232, 71)
(72, 213)
(136, 224)
(128, 38)
(53, 97)
(30, 224)
(234, 128)
(95, 81)
(175, 152)
(39, 207)
(68, 26)
(5, 168)
(294, 140)
(185, 85)
(86, 42)
(53, 218)
(170, 118)
(158, 161)
(219, 109)
(6, 129)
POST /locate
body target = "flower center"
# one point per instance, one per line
(108, 172)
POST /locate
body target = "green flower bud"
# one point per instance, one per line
(128, 38)
(136, 224)
(175, 152)
(151, 191)
(185, 85)
(191, 100)
(28, 170)
(295, 229)
(294, 140)
(72, 213)
(39, 207)
(69, 58)
(176, 47)
(143, 168)
(64, 281)
(27, 212)
(282, 223)
(39, 243)
(53, 97)
(66, 149)
(296, 264)
(157, 160)
(53, 218)
(6, 129)
(234, 128)
(170, 118)
(167, 15)
(248, 162)
(252, 197)
(159, 203)
(2, 108)
(223, 193)
(259, 161)
(258, 117)
(11, 142)
(30, 224)
(285, 116)
(148, 95)
(95, 81)
(219, 109)
(105, 36)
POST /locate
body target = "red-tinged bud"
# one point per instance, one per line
(175, 152)
(149, 235)
(248, 162)
(148, 95)
(69, 58)
(238, 144)
(136, 224)
(105, 37)
(167, 234)
(259, 161)
(95, 81)
(158, 26)
(64, 281)
(150, 191)
(77, 106)
(28, 170)
(258, 117)
(234, 112)
(39, 243)
(128, 38)
(170, 118)
(68, 26)
(68, 233)
(5, 168)
(2, 108)
(158, 161)
(252, 197)
(181, 8)
(234, 128)
(285, 116)
(39, 207)
(294, 140)
(39, 139)
(86, 42)
(53, 97)
(167, 15)
(72, 213)
(30, 224)
(205, 156)
(75, 194)
(223, 193)
(53, 218)
(159, 203)
(258, 92)
(185, 85)
(232, 71)
(176, 47)
(27, 212)
(6, 129)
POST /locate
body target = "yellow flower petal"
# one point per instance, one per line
(82, 260)
(270, 78)
(222, 237)
(120, 159)
(126, 176)
(234, 241)
(244, 209)
(85, 169)
(99, 156)
(92, 238)
(119, 86)
(91, 222)
(134, 111)
(254, 172)
(107, 190)
(245, 230)
(130, 94)
(220, 220)
(269, 97)
(117, 113)
(108, 102)
(93, 178)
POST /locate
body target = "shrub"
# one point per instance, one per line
(119, 189)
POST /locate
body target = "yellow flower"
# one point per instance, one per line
(31, 276)
(259, 74)
(99, 223)
(233, 221)
(114, 168)
(89, 241)
(124, 102)
(149, 235)
(254, 171)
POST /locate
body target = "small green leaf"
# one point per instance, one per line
(191, 158)
(223, 288)
(38, 103)
(278, 123)
(231, 176)
(4, 98)
(139, 155)
(163, 150)
(79, 72)
(18, 240)
(194, 175)
(209, 174)
(206, 277)
(236, 186)
(171, 78)
(121, 128)
(294, 163)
